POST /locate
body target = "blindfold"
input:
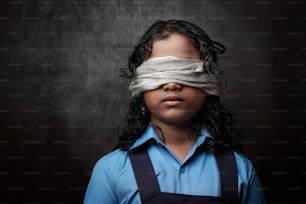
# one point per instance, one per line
(157, 71)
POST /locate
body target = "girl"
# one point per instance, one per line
(179, 145)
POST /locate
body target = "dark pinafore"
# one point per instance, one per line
(149, 188)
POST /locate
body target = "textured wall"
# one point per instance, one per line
(62, 98)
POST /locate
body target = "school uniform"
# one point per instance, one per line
(151, 173)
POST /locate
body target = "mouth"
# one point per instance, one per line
(172, 100)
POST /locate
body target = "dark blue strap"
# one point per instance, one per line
(228, 174)
(143, 171)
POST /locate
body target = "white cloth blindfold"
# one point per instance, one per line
(157, 71)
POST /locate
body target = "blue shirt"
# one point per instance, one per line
(113, 182)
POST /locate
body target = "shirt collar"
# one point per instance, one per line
(150, 134)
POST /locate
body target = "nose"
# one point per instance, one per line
(172, 86)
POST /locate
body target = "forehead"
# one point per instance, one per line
(176, 45)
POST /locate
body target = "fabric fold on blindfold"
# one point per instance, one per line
(157, 71)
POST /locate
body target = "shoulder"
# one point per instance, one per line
(242, 160)
(245, 167)
(109, 173)
(249, 182)
(115, 160)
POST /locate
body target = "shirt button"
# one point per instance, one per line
(182, 170)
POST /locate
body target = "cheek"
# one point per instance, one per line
(198, 99)
(149, 99)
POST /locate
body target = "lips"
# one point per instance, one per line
(172, 100)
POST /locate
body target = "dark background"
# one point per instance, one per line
(62, 99)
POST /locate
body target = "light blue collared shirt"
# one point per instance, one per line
(113, 182)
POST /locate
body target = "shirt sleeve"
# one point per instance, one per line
(255, 194)
(100, 188)
(251, 189)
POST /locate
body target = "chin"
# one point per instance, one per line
(174, 116)
(178, 119)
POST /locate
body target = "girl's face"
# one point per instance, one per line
(172, 103)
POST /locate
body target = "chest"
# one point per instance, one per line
(197, 175)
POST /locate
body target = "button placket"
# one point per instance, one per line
(182, 170)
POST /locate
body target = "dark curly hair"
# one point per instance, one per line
(213, 115)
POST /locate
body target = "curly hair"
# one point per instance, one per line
(213, 115)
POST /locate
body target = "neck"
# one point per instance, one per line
(179, 138)
(174, 134)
